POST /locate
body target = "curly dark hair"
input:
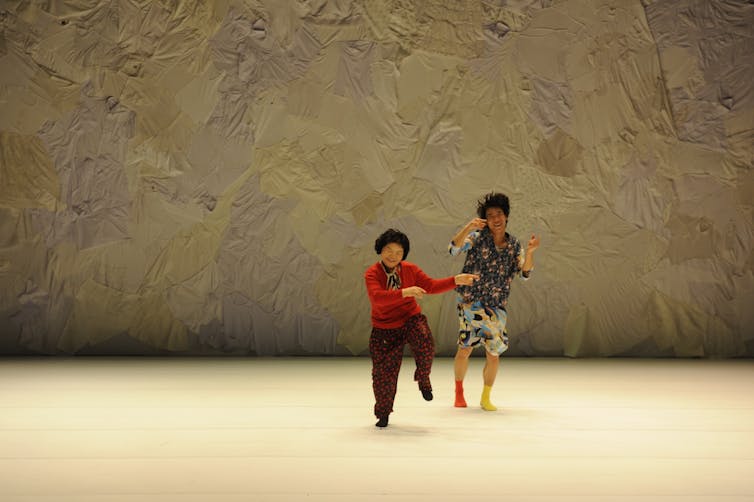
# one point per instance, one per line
(493, 199)
(389, 236)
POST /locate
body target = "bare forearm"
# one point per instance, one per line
(461, 236)
(528, 261)
(529, 258)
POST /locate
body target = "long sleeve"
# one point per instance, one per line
(468, 243)
(434, 286)
(389, 308)
(376, 288)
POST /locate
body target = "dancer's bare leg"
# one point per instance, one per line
(460, 366)
(491, 365)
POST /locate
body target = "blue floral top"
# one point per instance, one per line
(496, 268)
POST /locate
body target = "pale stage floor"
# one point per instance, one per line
(127, 429)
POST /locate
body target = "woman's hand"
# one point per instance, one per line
(466, 279)
(414, 291)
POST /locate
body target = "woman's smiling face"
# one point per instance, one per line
(392, 254)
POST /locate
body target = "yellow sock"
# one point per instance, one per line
(486, 404)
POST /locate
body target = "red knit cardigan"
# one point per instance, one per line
(389, 309)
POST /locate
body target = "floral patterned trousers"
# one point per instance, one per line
(386, 347)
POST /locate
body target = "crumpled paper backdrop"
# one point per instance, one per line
(209, 177)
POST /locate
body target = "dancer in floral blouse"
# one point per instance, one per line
(393, 286)
(497, 257)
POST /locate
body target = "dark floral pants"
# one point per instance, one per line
(386, 347)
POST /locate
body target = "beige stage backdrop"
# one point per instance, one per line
(209, 177)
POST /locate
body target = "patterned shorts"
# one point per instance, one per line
(480, 324)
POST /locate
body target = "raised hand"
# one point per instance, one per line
(533, 243)
(476, 224)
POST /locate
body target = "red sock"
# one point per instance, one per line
(460, 401)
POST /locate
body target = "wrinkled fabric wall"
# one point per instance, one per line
(209, 177)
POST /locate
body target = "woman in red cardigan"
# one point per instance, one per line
(393, 285)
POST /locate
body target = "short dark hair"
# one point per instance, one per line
(493, 199)
(389, 236)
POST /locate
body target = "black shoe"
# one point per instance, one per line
(382, 422)
(427, 395)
